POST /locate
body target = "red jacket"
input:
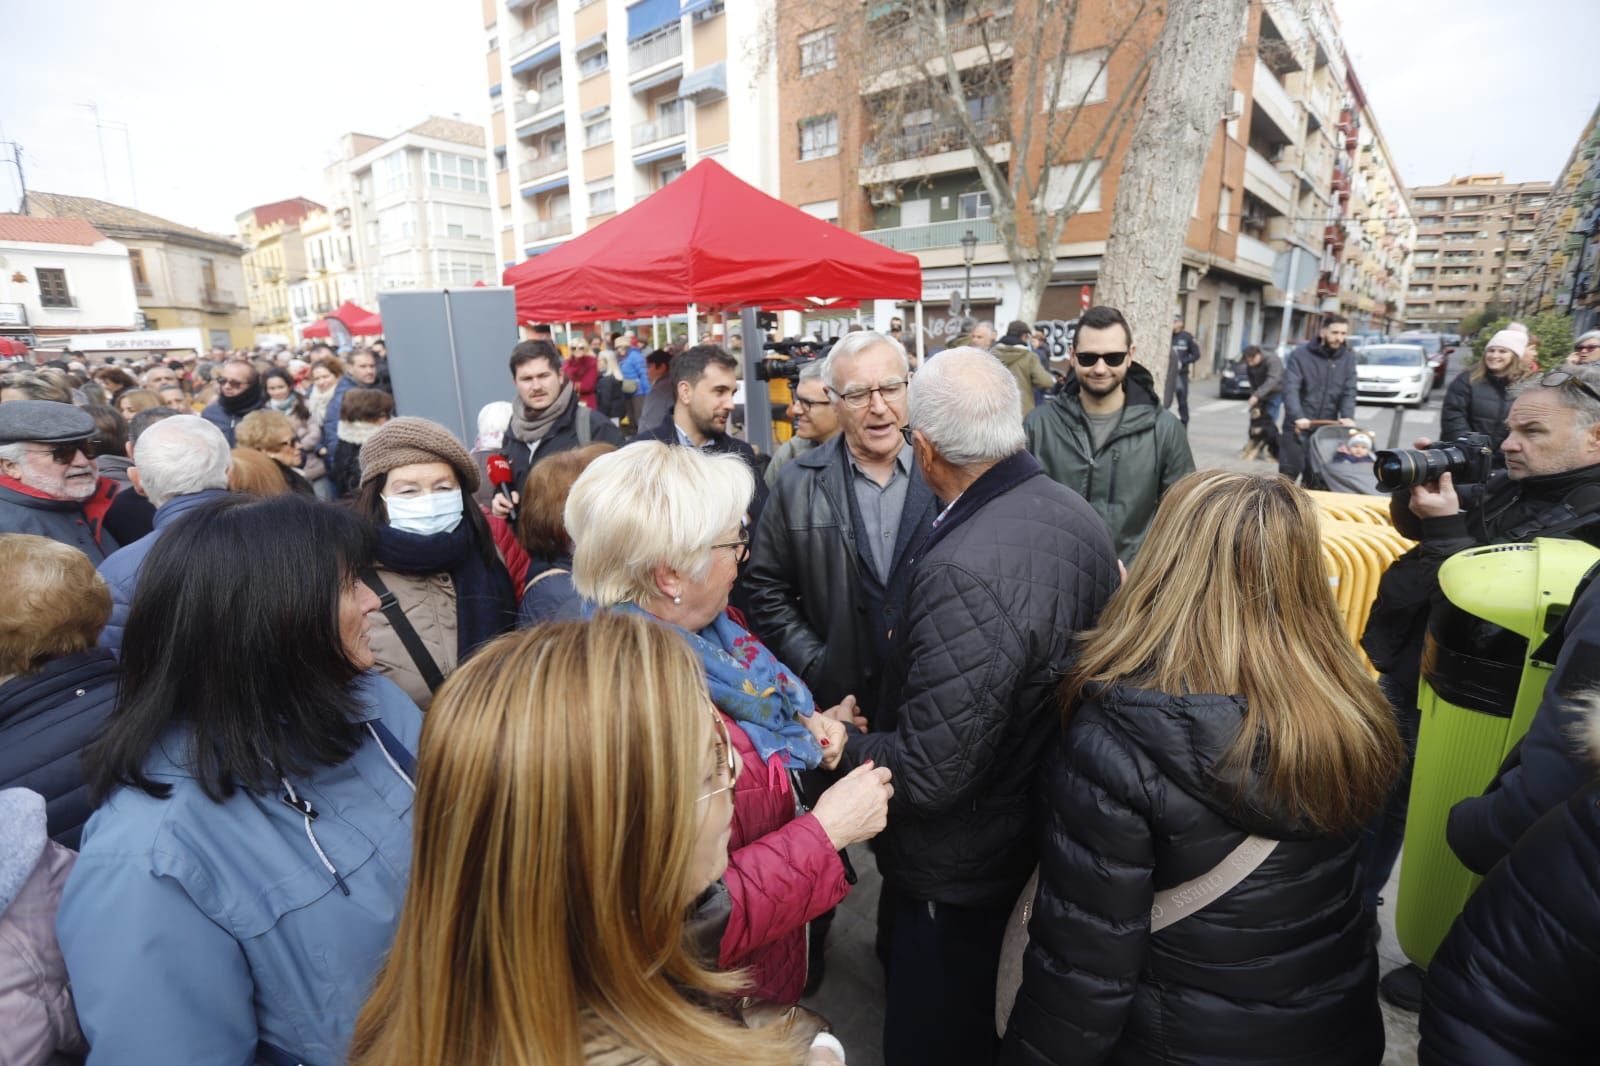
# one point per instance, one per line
(782, 872)
(584, 373)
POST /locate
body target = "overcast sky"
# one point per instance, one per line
(234, 104)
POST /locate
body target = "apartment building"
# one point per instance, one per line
(1379, 232)
(1563, 263)
(274, 258)
(1474, 239)
(184, 278)
(595, 104)
(1265, 247)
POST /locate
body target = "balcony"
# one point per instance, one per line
(1255, 252)
(932, 139)
(934, 234)
(550, 98)
(667, 126)
(542, 229)
(538, 168)
(527, 40)
(659, 47)
(896, 44)
(1272, 100)
(218, 298)
(1262, 179)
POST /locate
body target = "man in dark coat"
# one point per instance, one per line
(361, 372)
(704, 379)
(1319, 384)
(1184, 355)
(239, 392)
(48, 482)
(547, 417)
(1016, 564)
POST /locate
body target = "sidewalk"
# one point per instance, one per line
(851, 996)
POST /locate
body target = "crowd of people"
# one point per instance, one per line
(327, 736)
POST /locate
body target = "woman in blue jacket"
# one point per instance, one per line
(240, 884)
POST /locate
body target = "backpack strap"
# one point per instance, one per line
(583, 424)
(431, 675)
(540, 577)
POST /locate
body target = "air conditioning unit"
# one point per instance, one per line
(1235, 106)
(886, 194)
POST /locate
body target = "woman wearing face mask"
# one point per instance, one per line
(436, 555)
(282, 397)
(1479, 399)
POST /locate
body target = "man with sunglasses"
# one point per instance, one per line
(1106, 436)
(1550, 487)
(239, 392)
(48, 483)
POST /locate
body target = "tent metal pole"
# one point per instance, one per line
(757, 400)
(919, 333)
(694, 324)
(655, 336)
(568, 327)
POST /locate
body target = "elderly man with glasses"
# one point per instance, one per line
(239, 392)
(48, 482)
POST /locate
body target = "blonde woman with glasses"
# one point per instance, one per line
(1219, 721)
(562, 836)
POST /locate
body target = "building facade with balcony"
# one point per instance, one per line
(183, 277)
(274, 259)
(60, 277)
(1475, 237)
(1380, 233)
(1563, 264)
(595, 104)
(409, 211)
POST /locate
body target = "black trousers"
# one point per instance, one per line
(1180, 390)
(943, 962)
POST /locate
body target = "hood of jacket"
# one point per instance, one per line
(1012, 354)
(1187, 737)
(22, 838)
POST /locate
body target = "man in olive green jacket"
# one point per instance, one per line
(1106, 436)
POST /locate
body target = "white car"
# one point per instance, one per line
(1393, 373)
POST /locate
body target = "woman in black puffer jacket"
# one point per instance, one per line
(1479, 399)
(1219, 698)
(1514, 981)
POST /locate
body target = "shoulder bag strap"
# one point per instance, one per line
(540, 577)
(431, 676)
(396, 748)
(1191, 897)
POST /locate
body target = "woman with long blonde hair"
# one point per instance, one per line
(574, 800)
(1219, 699)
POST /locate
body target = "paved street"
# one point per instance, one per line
(852, 995)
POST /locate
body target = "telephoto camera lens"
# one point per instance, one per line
(1404, 467)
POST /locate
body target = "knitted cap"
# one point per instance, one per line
(403, 441)
(1514, 339)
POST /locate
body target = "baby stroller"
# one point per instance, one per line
(1263, 442)
(1339, 459)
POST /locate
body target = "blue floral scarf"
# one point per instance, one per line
(752, 687)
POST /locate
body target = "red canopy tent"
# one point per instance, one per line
(360, 322)
(710, 241)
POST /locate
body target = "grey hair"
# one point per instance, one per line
(967, 405)
(1592, 335)
(1585, 407)
(811, 371)
(13, 452)
(854, 344)
(179, 456)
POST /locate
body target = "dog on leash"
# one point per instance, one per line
(1263, 442)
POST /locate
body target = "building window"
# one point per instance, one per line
(460, 268)
(819, 137)
(1083, 82)
(594, 62)
(819, 51)
(448, 171)
(1064, 181)
(668, 173)
(1225, 210)
(394, 171)
(602, 198)
(974, 205)
(141, 280)
(395, 224)
(827, 210)
(597, 131)
(395, 271)
(53, 287)
(460, 222)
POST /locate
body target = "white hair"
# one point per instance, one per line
(966, 403)
(647, 505)
(180, 456)
(15, 452)
(853, 345)
(1592, 336)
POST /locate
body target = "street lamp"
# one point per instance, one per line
(969, 252)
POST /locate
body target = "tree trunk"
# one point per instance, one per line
(1189, 78)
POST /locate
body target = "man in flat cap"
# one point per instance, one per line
(48, 483)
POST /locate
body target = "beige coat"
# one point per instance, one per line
(429, 603)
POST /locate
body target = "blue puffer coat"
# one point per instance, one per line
(193, 929)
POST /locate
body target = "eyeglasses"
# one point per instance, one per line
(806, 405)
(233, 383)
(1088, 359)
(905, 431)
(741, 547)
(66, 451)
(727, 761)
(856, 399)
(1558, 378)
(1587, 348)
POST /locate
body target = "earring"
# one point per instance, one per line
(677, 601)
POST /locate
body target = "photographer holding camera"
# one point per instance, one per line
(1450, 497)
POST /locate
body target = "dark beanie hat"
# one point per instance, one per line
(1018, 329)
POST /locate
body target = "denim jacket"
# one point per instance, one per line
(194, 930)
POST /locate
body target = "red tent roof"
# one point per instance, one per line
(359, 322)
(713, 240)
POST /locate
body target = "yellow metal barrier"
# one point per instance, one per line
(1358, 544)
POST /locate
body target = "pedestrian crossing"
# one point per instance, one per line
(1365, 413)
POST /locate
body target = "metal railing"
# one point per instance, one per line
(660, 46)
(549, 98)
(894, 43)
(934, 234)
(544, 228)
(668, 125)
(527, 39)
(538, 168)
(219, 298)
(930, 140)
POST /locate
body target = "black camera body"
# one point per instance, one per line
(1469, 460)
(796, 354)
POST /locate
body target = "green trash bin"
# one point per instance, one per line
(1481, 682)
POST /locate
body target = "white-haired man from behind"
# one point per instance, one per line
(1015, 565)
(179, 464)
